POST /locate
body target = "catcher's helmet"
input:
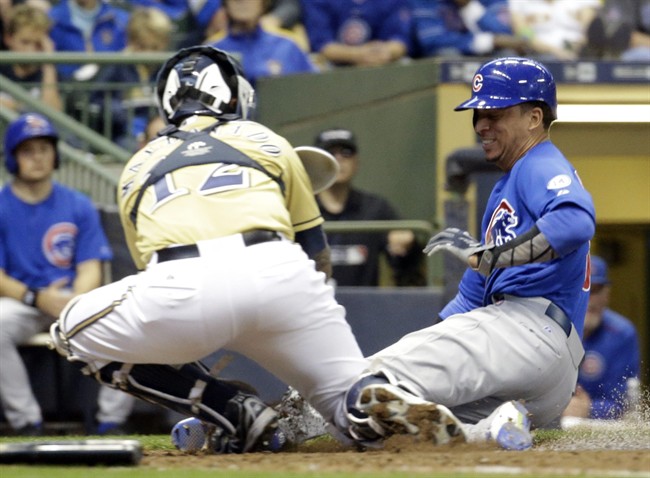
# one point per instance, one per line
(27, 126)
(203, 80)
(510, 81)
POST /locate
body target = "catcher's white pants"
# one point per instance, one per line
(473, 362)
(18, 323)
(265, 301)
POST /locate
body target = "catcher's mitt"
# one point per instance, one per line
(320, 165)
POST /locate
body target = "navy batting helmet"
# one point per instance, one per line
(204, 80)
(510, 81)
(27, 126)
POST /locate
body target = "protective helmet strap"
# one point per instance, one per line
(193, 93)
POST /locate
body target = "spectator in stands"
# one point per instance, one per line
(180, 13)
(174, 9)
(51, 249)
(148, 30)
(206, 19)
(611, 354)
(87, 25)
(262, 52)
(5, 10)
(27, 31)
(465, 28)
(356, 256)
(621, 31)
(359, 32)
(287, 15)
(555, 29)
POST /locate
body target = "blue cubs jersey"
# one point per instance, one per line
(265, 53)
(611, 357)
(40, 243)
(541, 182)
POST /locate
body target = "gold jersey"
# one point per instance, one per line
(212, 200)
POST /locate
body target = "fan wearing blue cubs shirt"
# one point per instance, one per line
(512, 335)
(611, 354)
(359, 32)
(51, 249)
(262, 52)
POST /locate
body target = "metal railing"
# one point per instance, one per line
(423, 230)
(78, 169)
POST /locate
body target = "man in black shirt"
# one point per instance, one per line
(356, 256)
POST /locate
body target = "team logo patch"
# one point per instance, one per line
(592, 366)
(35, 123)
(354, 31)
(502, 224)
(196, 148)
(59, 244)
(477, 83)
(559, 182)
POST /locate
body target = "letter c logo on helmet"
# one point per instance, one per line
(27, 126)
(477, 83)
(510, 81)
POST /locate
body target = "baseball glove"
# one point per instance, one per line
(320, 165)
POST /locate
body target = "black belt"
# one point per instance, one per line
(552, 311)
(189, 251)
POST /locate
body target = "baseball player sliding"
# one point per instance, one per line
(220, 216)
(511, 336)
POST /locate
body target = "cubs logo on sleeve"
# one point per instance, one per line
(502, 224)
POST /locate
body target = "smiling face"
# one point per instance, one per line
(506, 134)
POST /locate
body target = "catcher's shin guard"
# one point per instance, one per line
(187, 389)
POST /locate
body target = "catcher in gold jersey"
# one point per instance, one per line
(219, 214)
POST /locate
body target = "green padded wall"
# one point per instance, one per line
(392, 111)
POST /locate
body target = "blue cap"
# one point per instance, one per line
(599, 271)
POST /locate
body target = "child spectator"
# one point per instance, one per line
(28, 32)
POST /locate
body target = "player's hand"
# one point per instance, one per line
(46, 44)
(400, 242)
(53, 298)
(459, 243)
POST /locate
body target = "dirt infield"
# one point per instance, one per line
(600, 454)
